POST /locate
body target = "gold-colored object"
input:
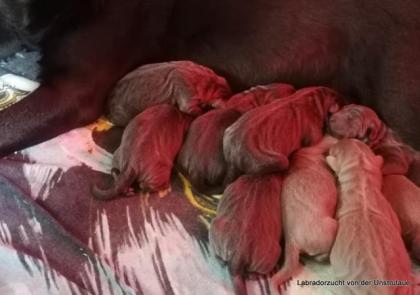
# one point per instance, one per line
(206, 204)
(101, 125)
(10, 95)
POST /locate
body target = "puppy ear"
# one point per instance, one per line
(367, 136)
(371, 133)
(374, 132)
(332, 162)
(379, 160)
(334, 108)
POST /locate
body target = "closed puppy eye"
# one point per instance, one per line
(334, 109)
(366, 137)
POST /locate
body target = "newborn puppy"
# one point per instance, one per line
(308, 202)
(201, 158)
(191, 87)
(247, 230)
(404, 197)
(148, 148)
(368, 244)
(258, 96)
(262, 139)
(356, 121)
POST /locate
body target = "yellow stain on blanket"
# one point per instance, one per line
(102, 124)
(197, 202)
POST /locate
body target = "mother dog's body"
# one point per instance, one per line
(363, 49)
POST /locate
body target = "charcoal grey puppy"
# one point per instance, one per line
(262, 139)
(147, 151)
(201, 157)
(189, 86)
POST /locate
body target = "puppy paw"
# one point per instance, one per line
(163, 193)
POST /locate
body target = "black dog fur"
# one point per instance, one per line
(366, 50)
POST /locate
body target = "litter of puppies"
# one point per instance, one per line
(292, 165)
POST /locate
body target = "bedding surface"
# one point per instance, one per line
(55, 238)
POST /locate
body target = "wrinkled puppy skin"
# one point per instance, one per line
(361, 122)
(247, 230)
(191, 87)
(259, 96)
(201, 157)
(148, 148)
(404, 197)
(308, 204)
(368, 245)
(263, 138)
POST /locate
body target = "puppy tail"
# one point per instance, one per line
(291, 264)
(236, 271)
(239, 285)
(121, 183)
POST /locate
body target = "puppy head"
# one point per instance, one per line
(352, 152)
(356, 121)
(207, 89)
(332, 100)
(326, 100)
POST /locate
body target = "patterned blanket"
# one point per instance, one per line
(55, 238)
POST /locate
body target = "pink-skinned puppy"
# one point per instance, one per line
(308, 203)
(404, 197)
(191, 87)
(263, 138)
(368, 245)
(148, 149)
